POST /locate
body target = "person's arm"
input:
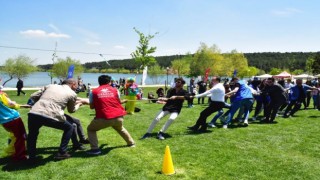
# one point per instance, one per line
(233, 91)
(91, 100)
(72, 104)
(203, 94)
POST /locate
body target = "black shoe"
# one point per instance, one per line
(145, 136)
(60, 156)
(160, 136)
(84, 141)
(193, 128)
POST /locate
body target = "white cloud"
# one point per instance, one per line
(43, 34)
(287, 12)
(94, 43)
(119, 47)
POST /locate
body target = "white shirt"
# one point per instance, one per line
(217, 93)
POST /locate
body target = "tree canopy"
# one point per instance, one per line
(142, 55)
(18, 67)
(60, 68)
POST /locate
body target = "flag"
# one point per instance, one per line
(235, 73)
(206, 75)
(70, 71)
(144, 75)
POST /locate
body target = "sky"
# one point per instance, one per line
(83, 29)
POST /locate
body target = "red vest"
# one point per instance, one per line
(106, 102)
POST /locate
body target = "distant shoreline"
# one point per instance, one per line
(38, 88)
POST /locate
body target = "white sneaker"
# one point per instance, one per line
(245, 123)
(211, 125)
(225, 126)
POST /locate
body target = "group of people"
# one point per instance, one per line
(47, 109)
(50, 102)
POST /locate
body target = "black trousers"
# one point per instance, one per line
(296, 104)
(272, 109)
(213, 107)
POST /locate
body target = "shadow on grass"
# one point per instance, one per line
(9, 165)
(104, 151)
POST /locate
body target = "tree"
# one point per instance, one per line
(60, 68)
(316, 64)
(206, 57)
(182, 66)
(275, 71)
(297, 71)
(309, 64)
(154, 71)
(18, 67)
(143, 53)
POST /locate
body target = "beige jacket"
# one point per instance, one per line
(52, 100)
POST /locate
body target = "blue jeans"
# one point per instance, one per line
(35, 122)
(246, 103)
(220, 112)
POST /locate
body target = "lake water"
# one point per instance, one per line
(40, 79)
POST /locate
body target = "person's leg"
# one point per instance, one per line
(34, 124)
(296, 107)
(289, 107)
(160, 115)
(118, 126)
(215, 118)
(274, 110)
(258, 108)
(79, 130)
(172, 117)
(233, 109)
(17, 128)
(18, 91)
(94, 126)
(213, 107)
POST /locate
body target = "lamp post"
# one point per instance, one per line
(167, 79)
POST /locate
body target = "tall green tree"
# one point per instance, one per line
(182, 66)
(316, 64)
(142, 55)
(206, 57)
(60, 68)
(19, 67)
(309, 64)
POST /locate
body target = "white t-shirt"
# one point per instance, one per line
(217, 93)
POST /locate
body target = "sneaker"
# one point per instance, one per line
(60, 156)
(93, 152)
(145, 136)
(245, 123)
(225, 126)
(160, 136)
(85, 141)
(131, 145)
(211, 125)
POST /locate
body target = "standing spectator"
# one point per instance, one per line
(105, 100)
(202, 88)
(191, 88)
(315, 96)
(49, 111)
(19, 87)
(11, 121)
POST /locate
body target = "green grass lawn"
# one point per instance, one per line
(287, 150)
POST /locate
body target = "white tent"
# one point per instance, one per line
(264, 76)
(303, 76)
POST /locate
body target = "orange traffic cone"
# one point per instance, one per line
(167, 166)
